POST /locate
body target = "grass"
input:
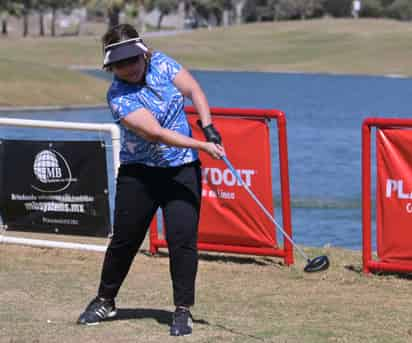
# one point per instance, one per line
(30, 84)
(326, 46)
(239, 299)
(339, 46)
(35, 73)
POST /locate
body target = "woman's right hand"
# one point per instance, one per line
(214, 150)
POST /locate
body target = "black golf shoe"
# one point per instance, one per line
(99, 309)
(182, 322)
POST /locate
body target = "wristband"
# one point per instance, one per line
(210, 132)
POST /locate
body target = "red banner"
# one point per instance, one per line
(229, 215)
(394, 195)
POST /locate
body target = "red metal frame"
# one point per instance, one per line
(287, 251)
(368, 263)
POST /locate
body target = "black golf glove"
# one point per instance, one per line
(210, 133)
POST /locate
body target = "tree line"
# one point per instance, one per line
(194, 13)
(303, 9)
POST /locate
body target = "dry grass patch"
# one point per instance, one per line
(239, 299)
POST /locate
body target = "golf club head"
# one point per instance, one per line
(317, 264)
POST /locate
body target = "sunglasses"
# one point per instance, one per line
(127, 62)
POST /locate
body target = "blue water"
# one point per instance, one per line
(324, 117)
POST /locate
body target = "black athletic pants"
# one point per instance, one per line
(140, 190)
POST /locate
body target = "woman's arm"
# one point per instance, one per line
(143, 123)
(189, 87)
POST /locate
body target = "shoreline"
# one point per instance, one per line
(104, 105)
(51, 108)
(293, 72)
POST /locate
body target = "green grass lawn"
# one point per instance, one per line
(342, 46)
(36, 72)
(327, 46)
(31, 84)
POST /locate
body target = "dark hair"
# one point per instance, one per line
(118, 33)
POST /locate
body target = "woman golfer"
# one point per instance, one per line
(159, 168)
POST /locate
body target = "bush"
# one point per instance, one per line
(251, 10)
(371, 8)
(400, 9)
(386, 3)
(297, 9)
(338, 8)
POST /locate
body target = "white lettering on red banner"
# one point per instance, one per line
(229, 216)
(217, 176)
(394, 195)
(396, 187)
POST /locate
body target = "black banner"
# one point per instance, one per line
(54, 187)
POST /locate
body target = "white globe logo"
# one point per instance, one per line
(44, 160)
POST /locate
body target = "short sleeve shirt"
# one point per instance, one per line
(160, 96)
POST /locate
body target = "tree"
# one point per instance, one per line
(210, 10)
(227, 8)
(4, 16)
(251, 10)
(400, 9)
(293, 9)
(141, 13)
(371, 8)
(338, 8)
(165, 7)
(42, 6)
(238, 5)
(113, 12)
(111, 7)
(181, 14)
(7, 8)
(54, 6)
(386, 3)
(26, 6)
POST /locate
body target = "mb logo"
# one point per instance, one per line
(52, 170)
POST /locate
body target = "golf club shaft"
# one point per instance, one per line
(263, 208)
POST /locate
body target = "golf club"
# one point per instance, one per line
(313, 265)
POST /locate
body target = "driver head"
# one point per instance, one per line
(317, 264)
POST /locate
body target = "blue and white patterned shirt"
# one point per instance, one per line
(161, 97)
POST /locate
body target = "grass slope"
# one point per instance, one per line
(341, 46)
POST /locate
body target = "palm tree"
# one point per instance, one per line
(141, 14)
(113, 11)
(209, 10)
(26, 8)
(42, 6)
(112, 8)
(6, 8)
(54, 6)
(165, 7)
(181, 4)
(238, 5)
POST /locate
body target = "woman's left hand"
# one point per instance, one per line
(214, 150)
